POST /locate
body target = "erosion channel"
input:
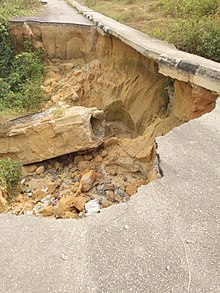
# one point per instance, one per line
(93, 144)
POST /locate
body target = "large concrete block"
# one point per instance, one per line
(48, 134)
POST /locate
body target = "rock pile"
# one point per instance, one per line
(81, 115)
(73, 186)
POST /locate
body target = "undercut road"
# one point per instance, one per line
(165, 239)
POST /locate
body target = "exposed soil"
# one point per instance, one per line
(65, 187)
(140, 104)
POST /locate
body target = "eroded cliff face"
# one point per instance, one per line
(89, 69)
(106, 105)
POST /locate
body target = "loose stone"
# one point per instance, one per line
(47, 211)
(40, 170)
(39, 194)
(92, 207)
(88, 179)
(104, 153)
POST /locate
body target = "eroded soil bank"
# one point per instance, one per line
(89, 69)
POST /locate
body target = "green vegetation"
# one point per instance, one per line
(196, 28)
(191, 25)
(10, 8)
(20, 74)
(10, 174)
(189, 8)
(126, 11)
(58, 112)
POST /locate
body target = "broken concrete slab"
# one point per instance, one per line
(165, 239)
(54, 132)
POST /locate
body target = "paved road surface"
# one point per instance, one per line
(57, 11)
(165, 239)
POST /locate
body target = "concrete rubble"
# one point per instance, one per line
(72, 186)
(59, 130)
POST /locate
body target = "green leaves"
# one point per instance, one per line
(195, 27)
(197, 36)
(28, 65)
(10, 173)
(20, 75)
(10, 8)
(6, 50)
(186, 8)
(209, 40)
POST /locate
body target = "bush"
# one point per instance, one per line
(186, 8)
(10, 174)
(6, 52)
(208, 44)
(196, 28)
(200, 37)
(28, 65)
(20, 75)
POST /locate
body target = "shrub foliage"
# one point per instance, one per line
(10, 174)
(188, 8)
(196, 28)
(20, 74)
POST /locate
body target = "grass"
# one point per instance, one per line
(58, 112)
(9, 8)
(135, 13)
(140, 14)
(191, 25)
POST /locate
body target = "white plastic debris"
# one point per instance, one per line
(30, 194)
(92, 207)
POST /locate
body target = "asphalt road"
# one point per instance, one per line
(57, 11)
(165, 239)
